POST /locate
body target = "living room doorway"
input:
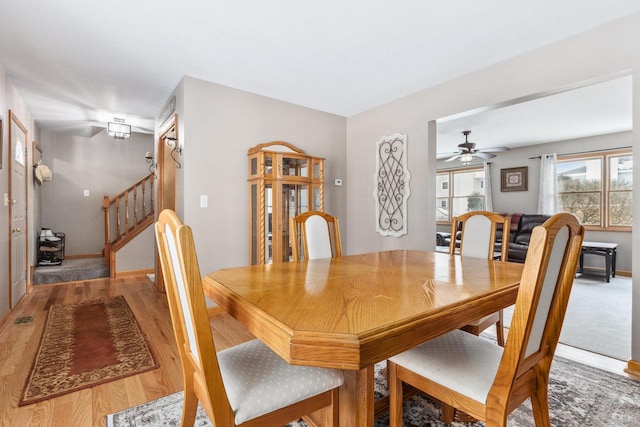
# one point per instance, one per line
(605, 103)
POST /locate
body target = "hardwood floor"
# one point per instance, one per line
(19, 343)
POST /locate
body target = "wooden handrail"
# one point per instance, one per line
(126, 215)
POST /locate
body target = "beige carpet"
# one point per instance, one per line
(598, 317)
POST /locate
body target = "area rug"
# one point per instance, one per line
(579, 395)
(84, 345)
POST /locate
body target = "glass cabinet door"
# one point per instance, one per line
(295, 200)
(292, 166)
(283, 182)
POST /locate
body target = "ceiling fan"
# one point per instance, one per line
(467, 151)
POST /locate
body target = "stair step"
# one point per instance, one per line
(71, 270)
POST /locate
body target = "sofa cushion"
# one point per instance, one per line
(517, 252)
(527, 223)
(513, 227)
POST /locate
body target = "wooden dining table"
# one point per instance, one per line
(353, 311)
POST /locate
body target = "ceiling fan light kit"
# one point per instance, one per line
(467, 151)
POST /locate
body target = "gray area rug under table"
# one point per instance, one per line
(579, 396)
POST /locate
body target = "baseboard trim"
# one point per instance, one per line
(633, 368)
(135, 272)
(599, 270)
(83, 256)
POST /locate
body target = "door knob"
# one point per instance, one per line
(14, 201)
(16, 230)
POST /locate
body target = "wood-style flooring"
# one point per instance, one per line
(88, 407)
(19, 343)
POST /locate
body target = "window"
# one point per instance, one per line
(597, 188)
(458, 192)
(620, 192)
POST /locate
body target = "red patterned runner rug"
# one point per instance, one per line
(84, 345)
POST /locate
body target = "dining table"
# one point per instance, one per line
(353, 311)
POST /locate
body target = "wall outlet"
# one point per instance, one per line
(87, 193)
(337, 182)
(204, 201)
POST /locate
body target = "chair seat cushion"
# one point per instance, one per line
(258, 381)
(458, 360)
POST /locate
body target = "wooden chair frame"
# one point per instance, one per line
(496, 318)
(201, 370)
(298, 232)
(495, 219)
(523, 370)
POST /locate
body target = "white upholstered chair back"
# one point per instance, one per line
(318, 235)
(314, 235)
(551, 279)
(547, 278)
(182, 291)
(477, 237)
(478, 234)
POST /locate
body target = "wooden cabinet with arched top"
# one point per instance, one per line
(284, 181)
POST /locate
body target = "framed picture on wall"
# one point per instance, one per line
(514, 179)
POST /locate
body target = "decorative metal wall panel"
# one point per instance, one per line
(391, 185)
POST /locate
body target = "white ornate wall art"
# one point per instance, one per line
(391, 185)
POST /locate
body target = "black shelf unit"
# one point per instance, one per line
(51, 250)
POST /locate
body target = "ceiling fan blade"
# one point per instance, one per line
(495, 149)
(440, 156)
(484, 155)
(452, 158)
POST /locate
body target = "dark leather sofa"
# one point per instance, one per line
(521, 227)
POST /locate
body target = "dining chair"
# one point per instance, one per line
(318, 233)
(478, 240)
(245, 385)
(487, 381)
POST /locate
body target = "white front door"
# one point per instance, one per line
(17, 209)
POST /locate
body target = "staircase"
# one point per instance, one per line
(125, 216)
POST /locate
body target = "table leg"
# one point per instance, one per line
(357, 399)
(607, 265)
(613, 262)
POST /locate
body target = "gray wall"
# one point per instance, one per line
(605, 51)
(217, 125)
(101, 164)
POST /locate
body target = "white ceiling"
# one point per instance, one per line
(596, 109)
(78, 64)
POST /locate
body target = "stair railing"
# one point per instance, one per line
(125, 216)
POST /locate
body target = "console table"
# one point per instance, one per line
(607, 250)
